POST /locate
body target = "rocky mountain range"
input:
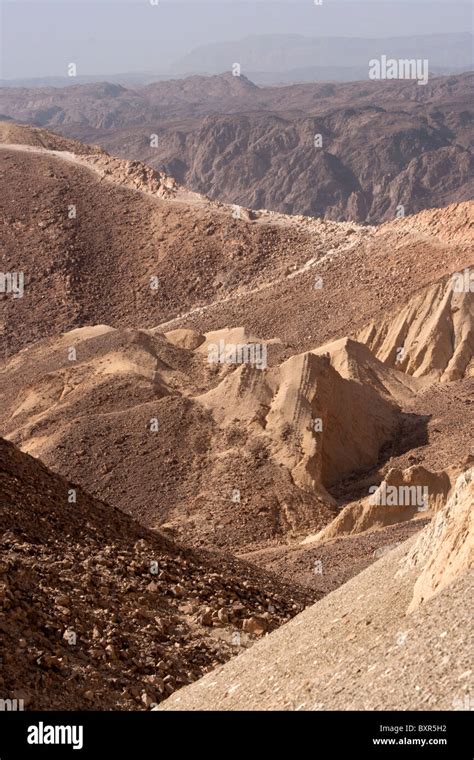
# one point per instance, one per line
(363, 152)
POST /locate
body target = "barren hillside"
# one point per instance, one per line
(164, 252)
(100, 613)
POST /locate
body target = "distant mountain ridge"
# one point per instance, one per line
(290, 58)
(296, 58)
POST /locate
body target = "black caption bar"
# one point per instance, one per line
(381, 734)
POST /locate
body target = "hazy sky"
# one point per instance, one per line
(114, 36)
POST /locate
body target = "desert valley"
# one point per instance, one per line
(108, 378)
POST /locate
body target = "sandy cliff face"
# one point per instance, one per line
(432, 336)
(444, 550)
(319, 425)
(403, 495)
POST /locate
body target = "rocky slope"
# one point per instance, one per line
(94, 220)
(165, 252)
(360, 647)
(99, 613)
